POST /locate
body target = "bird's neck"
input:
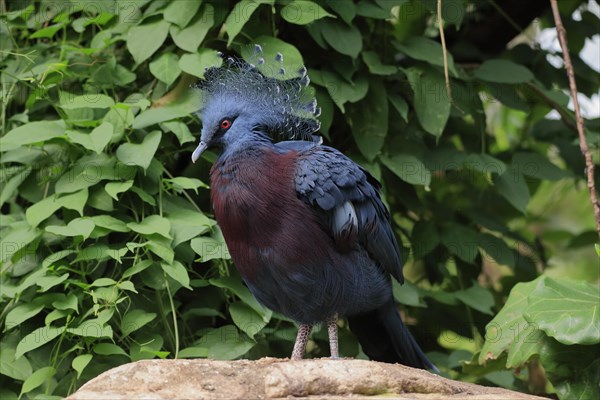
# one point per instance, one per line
(235, 161)
(249, 143)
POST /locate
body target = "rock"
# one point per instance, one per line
(271, 378)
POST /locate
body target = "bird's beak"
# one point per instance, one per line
(199, 150)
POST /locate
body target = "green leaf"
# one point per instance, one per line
(425, 49)
(126, 285)
(511, 185)
(371, 10)
(15, 368)
(245, 318)
(151, 225)
(431, 100)
(461, 241)
(408, 168)
(102, 282)
(18, 237)
(345, 9)
(166, 67)
(37, 338)
(110, 223)
(345, 39)
(572, 370)
(80, 362)
(177, 271)
(181, 13)
(162, 248)
(89, 100)
(477, 298)
(48, 282)
(149, 349)
(140, 154)
(568, 311)
(497, 249)
(68, 302)
(342, 91)
(114, 188)
(190, 38)
(302, 12)
(189, 102)
(144, 40)
(241, 291)
(93, 252)
(509, 331)
(193, 352)
(484, 163)
(187, 224)
(240, 15)
(183, 182)
(503, 71)
(537, 166)
(227, 343)
(109, 349)
(41, 210)
(370, 120)
(37, 379)
(137, 268)
(77, 227)
(375, 66)
(32, 132)
(134, 320)
(292, 58)
(196, 63)
(425, 238)
(92, 328)
(11, 187)
(96, 140)
(46, 32)
(508, 95)
(407, 294)
(22, 313)
(74, 201)
(180, 130)
(91, 169)
(100, 136)
(209, 248)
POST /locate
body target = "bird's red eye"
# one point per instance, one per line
(225, 124)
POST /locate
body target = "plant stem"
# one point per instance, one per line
(175, 326)
(444, 50)
(562, 37)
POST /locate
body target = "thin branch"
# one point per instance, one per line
(565, 114)
(511, 21)
(562, 37)
(444, 50)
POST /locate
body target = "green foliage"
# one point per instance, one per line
(109, 252)
(558, 322)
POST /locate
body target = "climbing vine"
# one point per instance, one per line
(109, 250)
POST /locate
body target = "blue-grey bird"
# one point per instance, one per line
(304, 224)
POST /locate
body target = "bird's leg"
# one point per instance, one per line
(332, 332)
(301, 340)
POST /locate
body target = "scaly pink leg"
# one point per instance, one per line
(332, 331)
(301, 340)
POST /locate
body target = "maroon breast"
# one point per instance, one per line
(256, 206)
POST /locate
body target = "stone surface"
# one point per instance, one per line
(270, 378)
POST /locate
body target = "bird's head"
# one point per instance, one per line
(241, 105)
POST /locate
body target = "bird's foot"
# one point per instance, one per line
(332, 331)
(301, 340)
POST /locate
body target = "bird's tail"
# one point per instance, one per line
(384, 337)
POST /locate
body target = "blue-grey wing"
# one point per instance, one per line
(347, 196)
